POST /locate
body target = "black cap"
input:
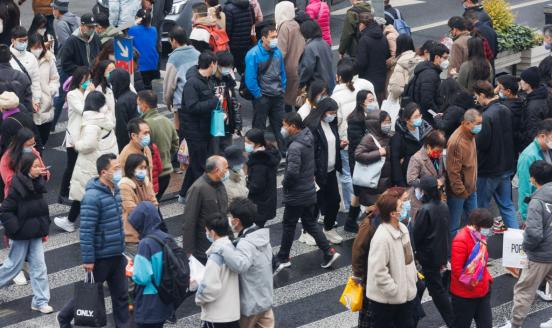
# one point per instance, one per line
(88, 20)
(426, 183)
(234, 155)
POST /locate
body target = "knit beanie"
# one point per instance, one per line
(8, 100)
(531, 76)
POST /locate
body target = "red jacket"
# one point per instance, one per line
(157, 167)
(320, 12)
(462, 246)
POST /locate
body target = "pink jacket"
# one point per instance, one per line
(317, 8)
(7, 173)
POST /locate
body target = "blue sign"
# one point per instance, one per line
(123, 49)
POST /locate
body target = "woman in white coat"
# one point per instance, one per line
(49, 83)
(100, 80)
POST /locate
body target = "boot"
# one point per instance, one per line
(351, 224)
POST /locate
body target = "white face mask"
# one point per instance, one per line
(36, 52)
(1, 26)
(445, 64)
(549, 145)
(41, 31)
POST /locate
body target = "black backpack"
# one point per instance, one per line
(175, 278)
(409, 93)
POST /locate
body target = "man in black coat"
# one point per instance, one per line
(426, 80)
(125, 105)
(239, 20)
(507, 87)
(14, 80)
(535, 97)
(372, 53)
(82, 47)
(474, 6)
(198, 101)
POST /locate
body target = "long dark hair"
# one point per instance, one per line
(35, 39)
(107, 49)
(447, 89)
(16, 147)
(80, 73)
(99, 74)
(39, 20)
(315, 88)
(358, 114)
(146, 17)
(404, 43)
(312, 121)
(346, 71)
(476, 56)
(26, 163)
(256, 136)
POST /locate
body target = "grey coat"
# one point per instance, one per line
(298, 180)
(317, 63)
(537, 239)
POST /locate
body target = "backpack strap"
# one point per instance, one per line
(13, 118)
(23, 69)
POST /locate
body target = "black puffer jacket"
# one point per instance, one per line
(24, 213)
(403, 146)
(298, 180)
(198, 101)
(516, 108)
(18, 82)
(78, 52)
(536, 110)
(426, 88)
(431, 235)
(355, 131)
(453, 115)
(321, 152)
(372, 53)
(239, 19)
(262, 168)
(495, 142)
(125, 105)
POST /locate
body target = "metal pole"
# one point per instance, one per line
(378, 8)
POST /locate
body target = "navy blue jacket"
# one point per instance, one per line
(101, 227)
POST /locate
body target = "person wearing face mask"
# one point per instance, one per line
(101, 82)
(198, 101)
(495, 156)
(140, 143)
(94, 139)
(41, 25)
(472, 300)
(459, 50)
(102, 238)
(145, 41)
(13, 119)
(461, 165)
(432, 244)
(81, 47)
(316, 63)
(547, 33)
(536, 244)
(410, 132)
(236, 184)
(507, 87)
(323, 125)
(426, 80)
(104, 29)
(49, 84)
(24, 61)
(207, 197)
(316, 92)
(262, 169)
(265, 78)
(125, 105)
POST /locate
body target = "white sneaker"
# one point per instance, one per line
(64, 224)
(46, 309)
(333, 237)
(543, 296)
(547, 324)
(20, 279)
(306, 238)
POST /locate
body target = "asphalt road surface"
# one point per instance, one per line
(305, 295)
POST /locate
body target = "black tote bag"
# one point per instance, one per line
(89, 303)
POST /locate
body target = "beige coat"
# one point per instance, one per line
(458, 53)
(292, 45)
(49, 84)
(391, 275)
(402, 72)
(420, 165)
(221, 23)
(129, 200)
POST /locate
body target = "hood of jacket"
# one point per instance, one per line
(72, 19)
(96, 184)
(91, 117)
(243, 4)
(544, 193)
(194, 72)
(145, 219)
(26, 185)
(269, 157)
(120, 82)
(408, 60)
(284, 11)
(260, 238)
(373, 125)
(427, 65)
(373, 30)
(515, 104)
(539, 93)
(79, 35)
(304, 137)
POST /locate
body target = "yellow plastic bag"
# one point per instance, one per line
(352, 295)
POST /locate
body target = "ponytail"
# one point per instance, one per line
(351, 86)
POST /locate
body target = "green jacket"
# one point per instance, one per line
(527, 157)
(349, 34)
(108, 34)
(164, 136)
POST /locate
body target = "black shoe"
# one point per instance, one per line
(172, 318)
(351, 226)
(63, 324)
(330, 258)
(64, 200)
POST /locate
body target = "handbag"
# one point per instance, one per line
(368, 175)
(352, 295)
(217, 122)
(89, 303)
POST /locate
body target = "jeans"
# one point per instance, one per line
(328, 200)
(33, 251)
(392, 315)
(457, 206)
(468, 309)
(111, 270)
(500, 188)
(60, 99)
(308, 220)
(436, 287)
(273, 108)
(199, 152)
(346, 179)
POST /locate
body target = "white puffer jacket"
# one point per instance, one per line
(75, 105)
(96, 138)
(49, 84)
(109, 101)
(404, 68)
(29, 62)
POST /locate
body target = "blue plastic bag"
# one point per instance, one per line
(217, 122)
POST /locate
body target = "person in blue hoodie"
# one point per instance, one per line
(149, 310)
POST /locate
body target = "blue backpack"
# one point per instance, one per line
(400, 24)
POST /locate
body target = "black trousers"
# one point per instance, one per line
(163, 185)
(112, 271)
(74, 211)
(328, 200)
(150, 325)
(233, 324)
(199, 151)
(68, 173)
(306, 213)
(468, 309)
(436, 287)
(273, 109)
(392, 315)
(148, 77)
(44, 132)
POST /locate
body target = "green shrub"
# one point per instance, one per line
(516, 38)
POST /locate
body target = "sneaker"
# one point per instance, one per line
(543, 296)
(20, 279)
(499, 227)
(321, 221)
(181, 200)
(306, 238)
(282, 266)
(333, 237)
(64, 224)
(330, 258)
(547, 324)
(46, 309)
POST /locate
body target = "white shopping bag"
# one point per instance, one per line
(197, 271)
(392, 107)
(513, 255)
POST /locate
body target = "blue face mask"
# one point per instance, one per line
(209, 238)
(140, 175)
(237, 168)
(485, 231)
(407, 206)
(417, 123)
(404, 216)
(117, 176)
(225, 71)
(273, 43)
(145, 141)
(138, 111)
(548, 46)
(501, 95)
(226, 176)
(249, 148)
(329, 118)
(476, 129)
(21, 46)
